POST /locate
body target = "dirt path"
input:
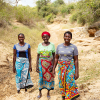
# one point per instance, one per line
(87, 51)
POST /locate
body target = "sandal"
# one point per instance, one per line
(48, 97)
(38, 97)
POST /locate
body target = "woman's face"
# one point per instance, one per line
(45, 38)
(21, 38)
(67, 38)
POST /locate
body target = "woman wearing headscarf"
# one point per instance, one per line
(22, 64)
(68, 71)
(44, 64)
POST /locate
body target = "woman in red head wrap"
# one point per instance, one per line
(47, 33)
(44, 64)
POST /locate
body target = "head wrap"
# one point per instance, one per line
(45, 33)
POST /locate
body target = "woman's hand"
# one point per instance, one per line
(53, 73)
(37, 63)
(14, 70)
(50, 69)
(76, 67)
(37, 69)
(30, 68)
(76, 76)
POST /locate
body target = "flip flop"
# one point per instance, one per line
(38, 97)
(48, 97)
(18, 91)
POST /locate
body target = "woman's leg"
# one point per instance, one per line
(18, 91)
(63, 97)
(25, 90)
(48, 93)
(40, 94)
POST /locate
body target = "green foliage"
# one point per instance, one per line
(73, 17)
(83, 11)
(86, 11)
(6, 13)
(41, 3)
(66, 9)
(49, 18)
(59, 2)
(26, 15)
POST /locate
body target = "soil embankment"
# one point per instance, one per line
(89, 63)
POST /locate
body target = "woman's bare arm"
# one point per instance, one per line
(76, 67)
(14, 60)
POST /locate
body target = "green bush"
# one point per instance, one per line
(66, 9)
(50, 18)
(6, 14)
(25, 15)
(81, 20)
(73, 17)
(86, 11)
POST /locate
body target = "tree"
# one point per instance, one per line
(59, 2)
(14, 2)
(41, 3)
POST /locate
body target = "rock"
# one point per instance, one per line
(97, 33)
(98, 48)
(86, 44)
(97, 36)
(92, 32)
(82, 86)
(93, 28)
(96, 25)
(71, 30)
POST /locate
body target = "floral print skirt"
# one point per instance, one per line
(67, 85)
(46, 79)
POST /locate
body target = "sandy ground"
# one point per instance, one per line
(88, 54)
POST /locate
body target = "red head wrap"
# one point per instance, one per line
(45, 33)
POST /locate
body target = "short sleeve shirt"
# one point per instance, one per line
(46, 51)
(22, 51)
(66, 53)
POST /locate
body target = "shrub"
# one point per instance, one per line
(66, 9)
(86, 11)
(73, 17)
(25, 15)
(81, 20)
(50, 18)
(6, 13)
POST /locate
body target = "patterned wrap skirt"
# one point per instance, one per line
(67, 85)
(23, 79)
(46, 79)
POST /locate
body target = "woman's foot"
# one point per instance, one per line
(18, 91)
(63, 97)
(40, 94)
(25, 90)
(48, 95)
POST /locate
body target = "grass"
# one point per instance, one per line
(81, 51)
(89, 70)
(32, 36)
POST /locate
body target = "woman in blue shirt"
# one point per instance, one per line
(22, 64)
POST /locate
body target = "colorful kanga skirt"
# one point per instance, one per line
(67, 85)
(23, 79)
(46, 79)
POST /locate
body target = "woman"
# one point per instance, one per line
(45, 61)
(68, 72)
(22, 64)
